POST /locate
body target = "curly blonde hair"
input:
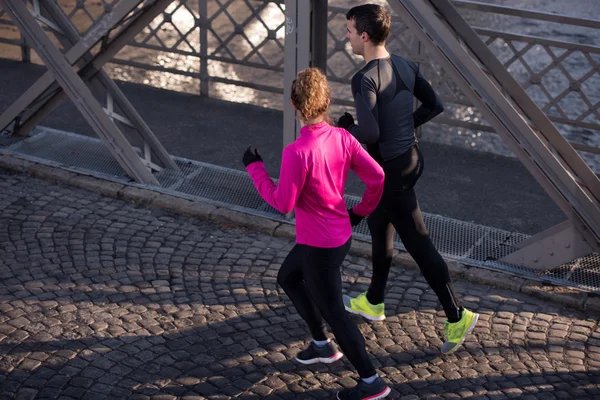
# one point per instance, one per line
(310, 94)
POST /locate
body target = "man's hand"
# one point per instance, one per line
(251, 155)
(346, 121)
(354, 219)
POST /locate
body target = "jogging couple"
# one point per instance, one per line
(314, 170)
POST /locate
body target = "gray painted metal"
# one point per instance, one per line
(78, 54)
(208, 15)
(567, 243)
(558, 245)
(527, 144)
(527, 106)
(476, 5)
(79, 49)
(204, 73)
(112, 90)
(302, 50)
(464, 242)
(81, 95)
(296, 58)
(319, 35)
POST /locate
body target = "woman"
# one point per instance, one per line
(313, 173)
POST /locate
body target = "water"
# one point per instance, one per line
(262, 43)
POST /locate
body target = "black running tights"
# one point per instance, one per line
(310, 276)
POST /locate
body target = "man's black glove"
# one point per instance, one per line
(354, 219)
(346, 121)
(251, 155)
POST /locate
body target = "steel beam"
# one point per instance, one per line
(112, 48)
(296, 58)
(528, 107)
(531, 148)
(79, 54)
(109, 85)
(73, 55)
(81, 95)
(552, 248)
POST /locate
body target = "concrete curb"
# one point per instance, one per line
(569, 297)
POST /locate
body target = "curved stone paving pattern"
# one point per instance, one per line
(100, 298)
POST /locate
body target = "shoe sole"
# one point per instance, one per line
(469, 330)
(381, 395)
(328, 360)
(363, 314)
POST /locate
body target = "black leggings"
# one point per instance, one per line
(310, 276)
(399, 210)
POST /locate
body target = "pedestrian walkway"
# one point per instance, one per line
(465, 185)
(100, 298)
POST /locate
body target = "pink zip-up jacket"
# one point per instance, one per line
(314, 170)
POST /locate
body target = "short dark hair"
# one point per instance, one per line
(373, 19)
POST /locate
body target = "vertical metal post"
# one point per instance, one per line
(76, 89)
(25, 49)
(203, 23)
(319, 34)
(289, 71)
(296, 57)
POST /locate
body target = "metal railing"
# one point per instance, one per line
(562, 77)
(207, 46)
(206, 43)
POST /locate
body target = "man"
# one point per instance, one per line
(384, 91)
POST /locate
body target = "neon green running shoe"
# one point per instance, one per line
(360, 305)
(456, 332)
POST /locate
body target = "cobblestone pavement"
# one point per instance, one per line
(100, 298)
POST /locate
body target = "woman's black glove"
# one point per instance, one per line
(251, 155)
(354, 219)
(346, 121)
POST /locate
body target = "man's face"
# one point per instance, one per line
(357, 41)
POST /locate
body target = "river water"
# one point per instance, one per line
(262, 43)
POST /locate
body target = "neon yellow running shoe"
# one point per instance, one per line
(456, 332)
(360, 305)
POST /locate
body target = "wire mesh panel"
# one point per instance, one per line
(585, 271)
(85, 13)
(218, 184)
(211, 47)
(234, 50)
(465, 242)
(238, 44)
(7, 140)
(71, 150)
(495, 244)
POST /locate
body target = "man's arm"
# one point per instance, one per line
(372, 176)
(431, 105)
(364, 91)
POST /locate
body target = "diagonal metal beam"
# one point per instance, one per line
(124, 36)
(520, 96)
(81, 95)
(559, 181)
(73, 55)
(138, 123)
(80, 49)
